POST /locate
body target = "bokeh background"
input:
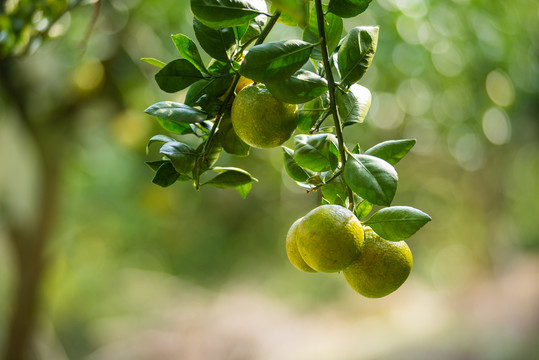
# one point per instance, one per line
(135, 271)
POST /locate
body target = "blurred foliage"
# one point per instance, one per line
(461, 76)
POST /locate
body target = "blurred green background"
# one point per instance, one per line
(135, 271)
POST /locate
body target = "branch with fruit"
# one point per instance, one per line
(258, 94)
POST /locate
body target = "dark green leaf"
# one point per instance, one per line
(165, 175)
(333, 28)
(255, 28)
(313, 151)
(230, 178)
(154, 62)
(176, 112)
(292, 168)
(336, 188)
(300, 88)
(371, 178)
(155, 165)
(160, 139)
(189, 51)
(310, 113)
(356, 149)
(176, 127)
(356, 53)
(397, 223)
(212, 153)
(177, 75)
(224, 13)
(348, 8)
(181, 155)
(230, 141)
(392, 150)
(353, 105)
(218, 43)
(275, 61)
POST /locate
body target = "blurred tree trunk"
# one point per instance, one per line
(29, 238)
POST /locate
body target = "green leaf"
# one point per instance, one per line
(371, 178)
(300, 88)
(275, 61)
(391, 151)
(348, 8)
(176, 127)
(154, 62)
(310, 113)
(333, 28)
(177, 75)
(255, 28)
(165, 175)
(363, 208)
(225, 13)
(335, 189)
(356, 149)
(298, 10)
(353, 105)
(356, 53)
(155, 165)
(176, 112)
(230, 177)
(313, 151)
(212, 153)
(296, 172)
(218, 43)
(397, 223)
(230, 141)
(181, 155)
(244, 189)
(189, 51)
(160, 139)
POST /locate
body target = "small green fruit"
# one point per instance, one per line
(292, 249)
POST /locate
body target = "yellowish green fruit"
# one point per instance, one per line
(260, 119)
(381, 268)
(292, 249)
(329, 238)
(242, 82)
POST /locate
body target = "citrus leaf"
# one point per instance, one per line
(391, 151)
(212, 153)
(313, 151)
(230, 141)
(296, 172)
(177, 75)
(218, 43)
(244, 189)
(356, 53)
(397, 223)
(225, 13)
(353, 105)
(255, 28)
(348, 8)
(334, 190)
(275, 61)
(333, 28)
(310, 113)
(363, 208)
(160, 139)
(371, 178)
(230, 177)
(165, 175)
(176, 112)
(298, 10)
(154, 62)
(189, 51)
(301, 87)
(181, 155)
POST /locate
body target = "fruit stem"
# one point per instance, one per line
(228, 97)
(331, 81)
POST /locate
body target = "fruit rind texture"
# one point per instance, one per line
(260, 119)
(292, 249)
(381, 267)
(329, 238)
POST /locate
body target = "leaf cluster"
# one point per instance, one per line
(319, 72)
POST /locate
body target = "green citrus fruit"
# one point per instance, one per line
(329, 238)
(381, 268)
(292, 249)
(260, 119)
